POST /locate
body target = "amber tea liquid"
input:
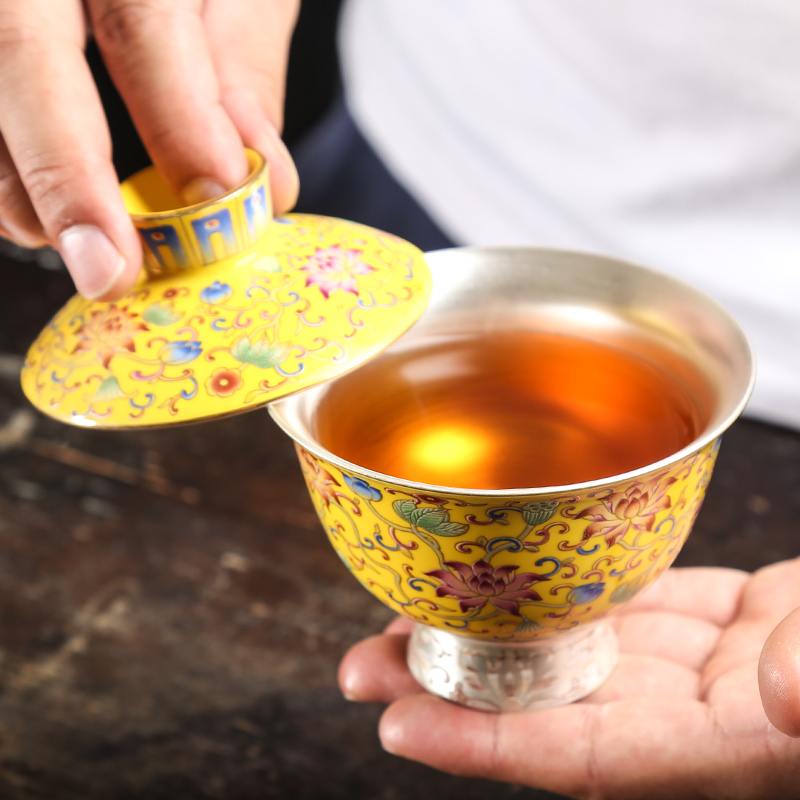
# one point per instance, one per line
(507, 410)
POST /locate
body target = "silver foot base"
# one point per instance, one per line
(501, 676)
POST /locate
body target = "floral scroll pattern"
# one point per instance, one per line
(317, 296)
(508, 568)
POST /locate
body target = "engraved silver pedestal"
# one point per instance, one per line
(501, 676)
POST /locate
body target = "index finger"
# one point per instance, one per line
(53, 125)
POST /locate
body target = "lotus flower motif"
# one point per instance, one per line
(477, 584)
(109, 331)
(217, 292)
(588, 593)
(318, 478)
(331, 268)
(175, 353)
(635, 507)
(362, 488)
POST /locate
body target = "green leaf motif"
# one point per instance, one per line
(403, 508)
(449, 528)
(109, 389)
(434, 520)
(528, 626)
(626, 591)
(267, 264)
(259, 353)
(157, 314)
(538, 511)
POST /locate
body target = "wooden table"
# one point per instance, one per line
(171, 615)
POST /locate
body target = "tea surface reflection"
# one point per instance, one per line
(507, 410)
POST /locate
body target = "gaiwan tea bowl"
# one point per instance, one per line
(526, 459)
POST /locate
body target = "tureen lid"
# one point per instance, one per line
(234, 309)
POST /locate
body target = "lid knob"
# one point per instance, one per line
(177, 237)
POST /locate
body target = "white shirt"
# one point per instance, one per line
(662, 131)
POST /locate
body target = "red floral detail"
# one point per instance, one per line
(318, 478)
(332, 268)
(108, 331)
(477, 584)
(635, 507)
(224, 382)
(431, 499)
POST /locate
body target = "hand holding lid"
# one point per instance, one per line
(236, 309)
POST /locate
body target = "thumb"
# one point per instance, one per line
(779, 675)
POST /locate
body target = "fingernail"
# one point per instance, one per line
(23, 237)
(282, 151)
(387, 747)
(283, 175)
(349, 693)
(199, 190)
(93, 261)
(278, 143)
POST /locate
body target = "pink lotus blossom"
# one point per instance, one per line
(318, 478)
(635, 507)
(108, 331)
(477, 584)
(332, 268)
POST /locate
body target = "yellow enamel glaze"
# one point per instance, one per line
(516, 568)
(236, 310)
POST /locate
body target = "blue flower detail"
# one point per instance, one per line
(216, 293)
(180, 352)
(362, 488)
(589, 592)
